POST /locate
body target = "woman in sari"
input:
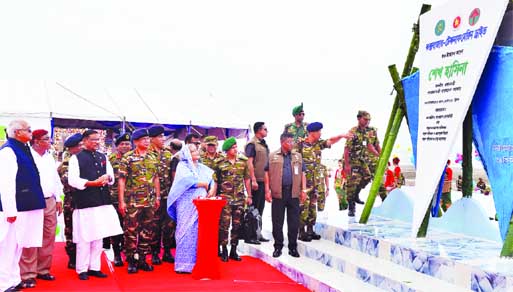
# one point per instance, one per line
(192, 180)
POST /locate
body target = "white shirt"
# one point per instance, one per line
(50, 180)
(25, 220)
(96, 222)
(74, 178)
(8, 173)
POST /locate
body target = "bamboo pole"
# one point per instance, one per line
(396, 116)
(387, 150)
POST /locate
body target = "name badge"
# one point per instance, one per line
(364, 143)
(296, 169)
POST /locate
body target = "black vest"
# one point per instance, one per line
(92, 165)
(29, 195)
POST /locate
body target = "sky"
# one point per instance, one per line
(216, 61)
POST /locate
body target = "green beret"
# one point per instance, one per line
(363, 114)
(297, 110)
(228, 143)
(209, 140)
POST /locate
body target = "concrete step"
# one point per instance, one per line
(381, 273)
(309, 272)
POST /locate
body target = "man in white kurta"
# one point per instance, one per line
(18, 229)
(94, 217)
(36, 261)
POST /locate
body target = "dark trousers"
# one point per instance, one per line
(258, 198)
(278, 208)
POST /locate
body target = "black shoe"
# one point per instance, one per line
(358, 201)
(83, 276)
(252, 241)
(155, 259)
(168, 256)
(224, 254)
(233, 254)
(97, 274)
(72, 264)
(118, 262)
(350, 213)
(263, 239)
(315, 236)
(46, 277)
(293, 252)
(277, 252)
(305, 237)
(143, 265)
(132, 266)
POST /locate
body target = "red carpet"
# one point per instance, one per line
(248, 275)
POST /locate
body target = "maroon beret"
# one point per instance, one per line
(36, 134)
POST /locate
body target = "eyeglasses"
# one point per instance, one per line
(26, 130)
(196, 143)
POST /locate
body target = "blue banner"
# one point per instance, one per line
(411, 96)
(492, 115)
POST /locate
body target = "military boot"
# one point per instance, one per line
(233, 253)
(155, 259)
(303, 235)
(311, 233)
(352, 208)
(132, 265)
(224, 253)
(72, 261)
(143, 265)
(168, 256)
(118, 262)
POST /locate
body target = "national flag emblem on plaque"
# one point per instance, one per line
(456, 22)
(474, 17)
(440, 27)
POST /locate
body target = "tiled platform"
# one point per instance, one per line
(384, 254)
(467, 262)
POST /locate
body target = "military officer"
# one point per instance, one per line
(74, 146)
(231, 177)
(139, 198)
(209, 157)
(311, 150)
(361, 154)
(165, 226)
(298, 127)
(123, 145)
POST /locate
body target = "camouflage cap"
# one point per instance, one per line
(228, 143)
(297, 110)
(210, 140)
(363, 114)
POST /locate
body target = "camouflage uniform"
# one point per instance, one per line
(311, 153)
(70, 247)
(362, 162)
(117, 240)
(230, 182)
(210, 162)
(165, 227)
(322, 173)
(139, 172)
(299, 133)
